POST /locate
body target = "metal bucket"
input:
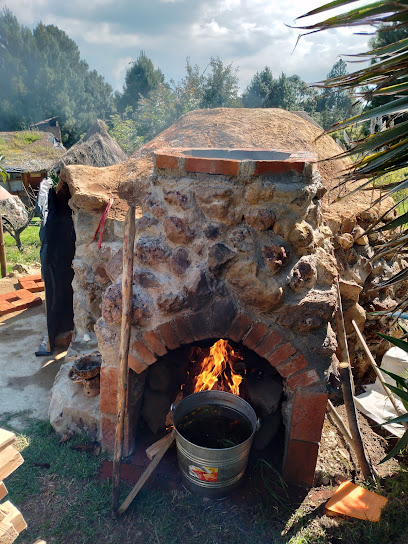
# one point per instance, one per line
(225, 467)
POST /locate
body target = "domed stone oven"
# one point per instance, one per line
(229, 246)
(231, 243)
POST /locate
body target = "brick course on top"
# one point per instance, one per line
(183, 161)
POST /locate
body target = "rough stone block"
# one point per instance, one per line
(184, 330)
(199, 326)
(221, 315)
(307, 417)
(300, 462)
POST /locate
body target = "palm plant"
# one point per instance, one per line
(383, 74)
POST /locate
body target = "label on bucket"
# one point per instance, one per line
(206, 474)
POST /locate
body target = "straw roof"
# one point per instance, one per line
(29, 151)
(96, 148)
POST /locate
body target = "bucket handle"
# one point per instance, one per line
(258, 424)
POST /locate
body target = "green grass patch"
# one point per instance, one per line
(31, 241)
(67, 504)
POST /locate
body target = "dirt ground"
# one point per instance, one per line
(25, 380)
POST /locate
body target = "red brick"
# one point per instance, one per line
(268, 343)
(135, 364)
(32, 277)
(255, 335)
(300, 462)
(211, 166)
(307, 416)
(154, 343)
(239, 328)
(143, 353)
(304, 379)
(289, 367)
(18, 300)
(280, 355)
(108, 432)
(109, 390)
(184, 330)
(278, 167)
(228, 167)
(167, 161)
(168, 335)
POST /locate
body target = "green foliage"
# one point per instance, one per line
(43, 76)
(219, 87)
(141, 79)
(124, 130)
(31, 242)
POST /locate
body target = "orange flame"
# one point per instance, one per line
(216, 373)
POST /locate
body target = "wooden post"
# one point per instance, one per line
(347, 384)
(3, 264)
(366, 469)
(127, 296)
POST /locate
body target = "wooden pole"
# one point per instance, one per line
(366, 469)
(377, 371)
(347, 384)
(3, 264)
(147, 473)
(127, 297)
(339, 424)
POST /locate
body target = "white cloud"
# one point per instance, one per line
(250, 33)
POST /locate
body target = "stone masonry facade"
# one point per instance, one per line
(230, 248)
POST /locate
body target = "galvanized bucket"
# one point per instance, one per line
(225, 467)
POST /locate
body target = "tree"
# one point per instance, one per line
(288, 93)
(335, 105)
(43, 76)
(141, 79)
(387, 151)
(220, 86)
(258, 92)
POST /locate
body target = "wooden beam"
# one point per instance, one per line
(7, 438)
(13, 516)
(3, 490)
(127, 300)
(10, 460)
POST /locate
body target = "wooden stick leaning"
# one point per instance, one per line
(127, 297)
(147, 473)
(348, 393)
(378, 372)
(340, 424)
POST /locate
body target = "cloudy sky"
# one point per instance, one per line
(250, 33)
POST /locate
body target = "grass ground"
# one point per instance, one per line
(66, 503)
(30, 255)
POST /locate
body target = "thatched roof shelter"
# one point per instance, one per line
(96, 148)
(29, 151)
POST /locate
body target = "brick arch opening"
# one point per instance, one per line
(306, 395)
